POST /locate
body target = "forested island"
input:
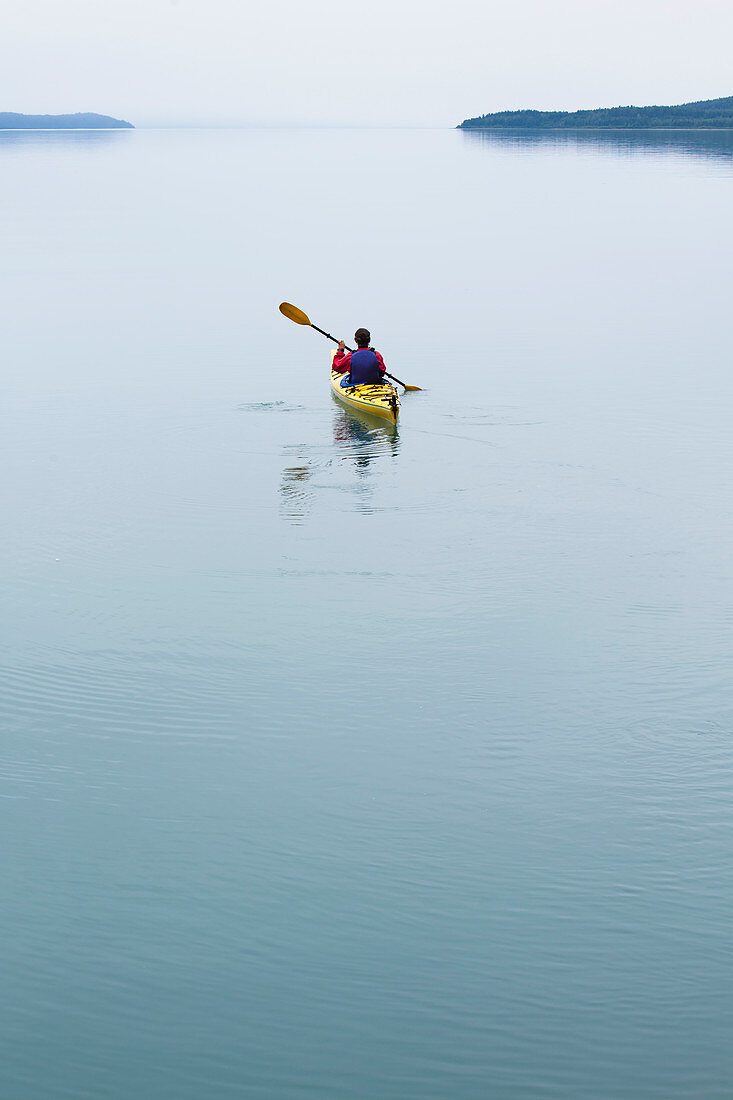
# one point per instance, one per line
(11, 121)
(705, 114)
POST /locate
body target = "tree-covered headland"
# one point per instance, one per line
(705, 114)
(9, 120)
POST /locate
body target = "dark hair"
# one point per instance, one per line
(362, 337)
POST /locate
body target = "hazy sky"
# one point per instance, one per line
(388, 62)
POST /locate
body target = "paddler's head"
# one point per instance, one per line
(362, 337)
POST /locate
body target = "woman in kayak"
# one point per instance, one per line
(364, 365)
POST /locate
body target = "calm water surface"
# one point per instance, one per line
(344, 762)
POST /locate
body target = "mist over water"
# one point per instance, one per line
(342, 760)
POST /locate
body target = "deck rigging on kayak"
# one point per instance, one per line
(374, 398)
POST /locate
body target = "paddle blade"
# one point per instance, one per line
(414, 388)
(293, 313)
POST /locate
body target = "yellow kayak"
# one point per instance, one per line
(377, 399)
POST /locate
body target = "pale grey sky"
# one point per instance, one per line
(332, 62)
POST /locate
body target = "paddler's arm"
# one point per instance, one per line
(342, 359)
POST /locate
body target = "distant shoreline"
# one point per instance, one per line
(705, 114)
(606, 129)
(10, 120)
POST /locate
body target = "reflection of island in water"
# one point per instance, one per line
(88, 138)
(706, 144)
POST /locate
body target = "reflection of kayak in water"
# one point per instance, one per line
(361, 437)
(376, 399)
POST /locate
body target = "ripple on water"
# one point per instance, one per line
(270, 406)
(109, 696)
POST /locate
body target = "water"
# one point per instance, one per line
(339, 761)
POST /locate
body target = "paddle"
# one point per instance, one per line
(300, 318)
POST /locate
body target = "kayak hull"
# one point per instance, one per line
(379, 399)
